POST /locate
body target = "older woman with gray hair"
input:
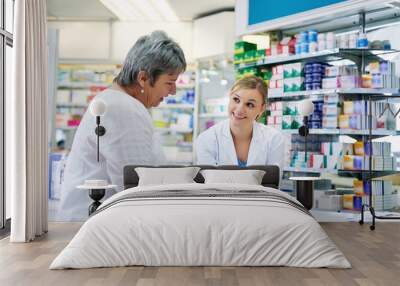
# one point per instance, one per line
(148, 75)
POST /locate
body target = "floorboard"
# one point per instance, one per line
(374, 255)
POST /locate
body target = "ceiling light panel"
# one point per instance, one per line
(141, 10)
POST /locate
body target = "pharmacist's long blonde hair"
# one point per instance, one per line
(251, 82)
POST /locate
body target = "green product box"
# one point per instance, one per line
(261, 54)
(250, 56)
(242, 46)
(238, 57)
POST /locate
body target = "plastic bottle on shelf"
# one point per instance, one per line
(330, 40)
(343, 41)
(321, 42)
(362, 42)
(353, 41)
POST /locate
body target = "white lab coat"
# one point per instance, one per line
(215, 146)
(129, 139)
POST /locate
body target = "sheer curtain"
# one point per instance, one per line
(27, 123)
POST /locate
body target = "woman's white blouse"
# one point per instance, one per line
(129, 139)
(215, 146)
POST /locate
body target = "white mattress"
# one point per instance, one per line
(200, 231)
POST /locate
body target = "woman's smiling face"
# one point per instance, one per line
(245, 105)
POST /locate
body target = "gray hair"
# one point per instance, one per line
(155, 54)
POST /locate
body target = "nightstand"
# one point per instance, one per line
(96, 193)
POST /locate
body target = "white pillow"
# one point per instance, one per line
(166, 176)
(249, 177)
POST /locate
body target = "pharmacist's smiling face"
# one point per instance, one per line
(164, 85)
(245, 105)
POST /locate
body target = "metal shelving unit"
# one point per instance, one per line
(361, 91)
(350, 132)
(326, 55)
(361, 57)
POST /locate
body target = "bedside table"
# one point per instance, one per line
(96, 193)
(305, 190)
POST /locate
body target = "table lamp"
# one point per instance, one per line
(306, 108)
(305, 185)
(98, 108)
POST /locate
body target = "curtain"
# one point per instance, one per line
(27, 123)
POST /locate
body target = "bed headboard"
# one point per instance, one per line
(270, 179)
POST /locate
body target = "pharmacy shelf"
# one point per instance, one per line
(375, 173)
(346, 91)
(82, 85)
(68, 128)
(326, 55)
(71, 105)
(323, 131)
(307, 170)
(175, 106)
(312, 131)
(213, 115)
(185, 86)
(173, 130)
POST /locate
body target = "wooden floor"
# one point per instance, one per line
(374, 255)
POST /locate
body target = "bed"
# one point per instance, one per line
(201, 224)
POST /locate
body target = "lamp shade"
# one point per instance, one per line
(306, 107)
(97, 107)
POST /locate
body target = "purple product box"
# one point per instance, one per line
(357, 162)
(358, 107)
(355, 121)
(367, 149)
(357, 202)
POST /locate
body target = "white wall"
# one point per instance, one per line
(214, 35)
(83, 40)
(125, 34)
(208, 36)
(103, 40)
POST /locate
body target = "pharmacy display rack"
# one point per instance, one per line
(361, 57)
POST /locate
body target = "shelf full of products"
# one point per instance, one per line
(77, 84)
(173, 121)
(353, 90)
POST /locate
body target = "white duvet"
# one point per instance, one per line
(191, 231)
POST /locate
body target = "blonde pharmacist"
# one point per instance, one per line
(147, 76)
(241, 140)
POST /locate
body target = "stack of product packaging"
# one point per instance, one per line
(382, 159)
(276, 87)
(313, 74)
(274, 119)
(291, 118)
(316, 158)
(383, 196)
(380, 75)
(340, 77)
(311, 41)
(337, 155)
(245, 52)
(330, 112)
(315, 119)
(354, 115)
(293, 79)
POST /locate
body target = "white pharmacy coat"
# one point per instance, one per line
(215, 146)
(129, 140)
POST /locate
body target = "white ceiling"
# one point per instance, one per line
(186, 10)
